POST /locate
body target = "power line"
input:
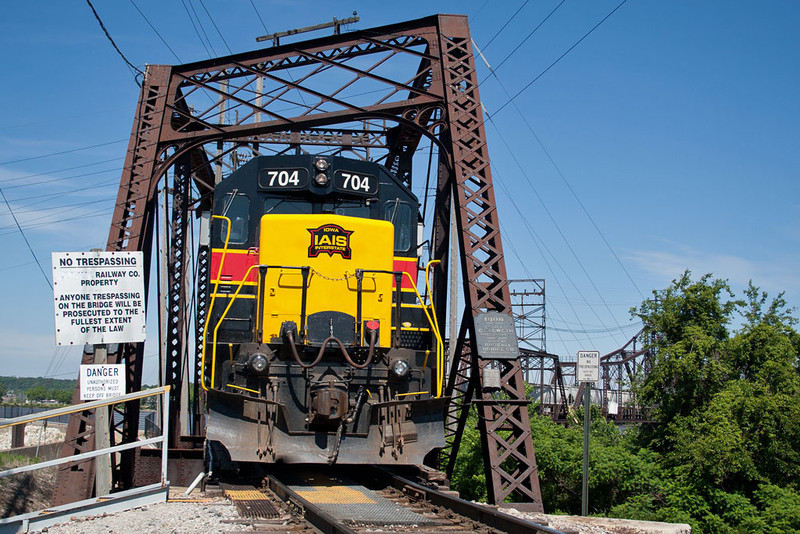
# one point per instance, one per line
(259, 16)
(26, 240)
(54, 172)
(61, 153)
(560, 57)
(493, 72)
(215, 27)
(202, 28)
(61, 179)
(155, 30)
(103, 27)
(186, 8)
(560, 232)
(530, 34)
(506, 24)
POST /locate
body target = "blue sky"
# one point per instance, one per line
(673, 125)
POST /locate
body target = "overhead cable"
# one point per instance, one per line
(103, 27)
(560, 57)
(30, 248)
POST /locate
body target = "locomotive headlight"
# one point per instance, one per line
(400, 367)
(258, 362)
(322, 164)
(321, 178)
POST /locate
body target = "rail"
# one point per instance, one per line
(115, 501)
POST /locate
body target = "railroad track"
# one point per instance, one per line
(370, 500)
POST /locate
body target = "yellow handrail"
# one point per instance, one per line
(432, 320)
(222, 318)
(211, 306)
(440, 346)
(434, 327)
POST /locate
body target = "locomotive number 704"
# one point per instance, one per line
(283, 178)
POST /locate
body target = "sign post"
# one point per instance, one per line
(99, 299)
(587, 372)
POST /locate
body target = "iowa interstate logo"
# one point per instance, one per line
(330, 238)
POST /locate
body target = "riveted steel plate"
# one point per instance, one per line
(249, 502)
(347, 501)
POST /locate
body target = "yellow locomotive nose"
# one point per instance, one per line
(333, 248)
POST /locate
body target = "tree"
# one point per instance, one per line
(37, 393)
(727, 407)
(689, 322)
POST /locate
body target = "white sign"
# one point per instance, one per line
(102, 381)
(588, 369)
(99, 297)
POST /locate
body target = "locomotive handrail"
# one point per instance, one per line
(431, 320)
(434, 326)
(211, 306)
(222, 318)
(240, 285)
(440, 347)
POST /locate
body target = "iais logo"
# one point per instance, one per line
(330, 238)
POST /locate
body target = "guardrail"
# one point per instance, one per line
(109, 503)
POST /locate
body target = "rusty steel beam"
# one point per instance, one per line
(380, 92)
(509, 458)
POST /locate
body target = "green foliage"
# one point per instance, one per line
(39, 389)
(9, 461)
(728, 406)
(468, 475)
(724, 453)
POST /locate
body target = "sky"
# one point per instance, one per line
(664, 139)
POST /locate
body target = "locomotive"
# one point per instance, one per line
(319, 346)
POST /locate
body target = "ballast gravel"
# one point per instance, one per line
(166, 517)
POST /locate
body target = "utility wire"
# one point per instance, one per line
(560, 232)
(493, 72)
(103, 27)
(155, 30)
(530, 34)
(506, 24)
(60, 153)
(27, 176)
(215, 27)
(259, 16)
(202, 28)
(560, 57)
(196, 31)
(30, 248)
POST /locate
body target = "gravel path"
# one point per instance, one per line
(168, 517)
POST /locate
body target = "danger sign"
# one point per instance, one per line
(102, 381)
(98, 297)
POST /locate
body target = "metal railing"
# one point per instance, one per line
(117, 501)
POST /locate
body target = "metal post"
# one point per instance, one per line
(586, 424)
(454, 260)
(102, 439)
(164, 435)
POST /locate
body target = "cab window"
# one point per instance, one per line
(236, 207)
(399, 214)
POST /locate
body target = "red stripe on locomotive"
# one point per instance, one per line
(408, 265)
(235, 266)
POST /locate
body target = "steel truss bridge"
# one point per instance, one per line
(377, 94)
(556, 389)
